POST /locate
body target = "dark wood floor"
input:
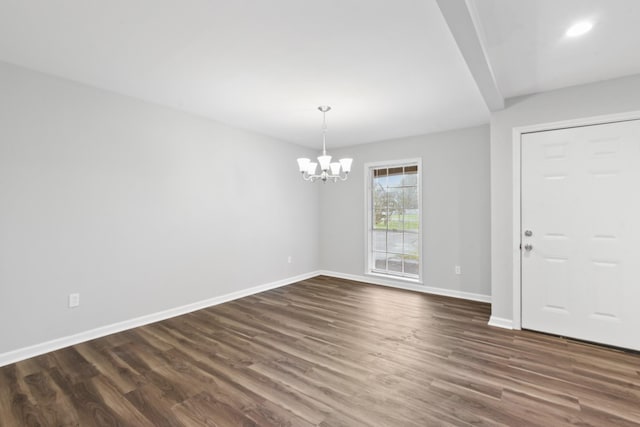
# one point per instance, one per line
(326, 352)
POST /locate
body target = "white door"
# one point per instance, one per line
(581, 207)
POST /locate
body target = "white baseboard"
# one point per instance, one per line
(58, 343)
(374, 280)
(500, 322)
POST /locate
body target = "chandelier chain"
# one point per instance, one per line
(324, 129)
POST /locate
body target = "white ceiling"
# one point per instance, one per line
(388, 68)
(529, 52)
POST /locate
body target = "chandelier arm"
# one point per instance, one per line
(315, 177)
(341, 176)
(308, 177)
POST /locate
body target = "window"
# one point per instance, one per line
(393, 205)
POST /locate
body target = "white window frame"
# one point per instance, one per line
(368, 170)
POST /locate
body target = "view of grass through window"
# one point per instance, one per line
(395, 221)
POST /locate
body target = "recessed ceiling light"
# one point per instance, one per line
(579, 29)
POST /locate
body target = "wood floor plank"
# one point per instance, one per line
(326, 352)
(55, 405)
(204, 410)
(150, 402)
(110, 366)
(112, 397)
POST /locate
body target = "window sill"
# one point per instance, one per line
(393, 278)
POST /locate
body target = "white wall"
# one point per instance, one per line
(456, 214)
(137, 207)
(609, 97)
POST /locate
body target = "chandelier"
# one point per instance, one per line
(329, 171)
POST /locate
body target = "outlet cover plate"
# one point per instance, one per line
(74, 300)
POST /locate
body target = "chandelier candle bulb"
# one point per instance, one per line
(346, 164)
(303, 164)
(328, 171)
(324, 162)
(311, 169)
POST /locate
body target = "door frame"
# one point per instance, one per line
(516, 218)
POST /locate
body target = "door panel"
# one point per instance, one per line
(581, 201)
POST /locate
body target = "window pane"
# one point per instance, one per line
(394, 263)
(380, 208)
(395, 205)
(380, 240)
(410, 176)
(411, 243)
(411, 265)
(395, 242)
(396, 176)
(410, 199)
(380, 178)
(380, 260)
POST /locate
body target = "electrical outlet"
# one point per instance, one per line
(74, 300)
(289, 259)
(458, 269)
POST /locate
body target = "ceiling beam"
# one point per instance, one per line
(462, 19)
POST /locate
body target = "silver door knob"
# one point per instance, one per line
(528, 233)
(528, 247)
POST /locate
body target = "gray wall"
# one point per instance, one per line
(137, 207)
(456, 214)
(609, 97)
